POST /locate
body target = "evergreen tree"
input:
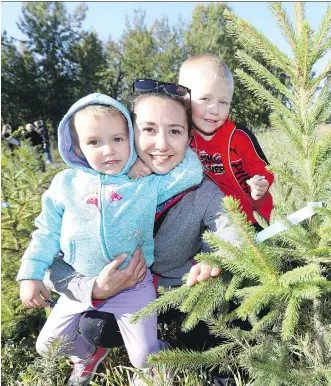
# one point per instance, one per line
(19, 81)
(138, 48)
(171, 49)
(21, 190)
(281, 286)
(111, 78)
(90, 58)
(52, 33)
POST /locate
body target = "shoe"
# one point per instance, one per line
(84, 369)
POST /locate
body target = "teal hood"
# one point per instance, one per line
(64, 138)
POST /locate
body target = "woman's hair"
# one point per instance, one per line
(95, 111)
(185, 103)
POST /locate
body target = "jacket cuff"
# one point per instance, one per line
(32, 270)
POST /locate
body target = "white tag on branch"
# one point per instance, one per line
(293, 218)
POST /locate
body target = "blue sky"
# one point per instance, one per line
(108, 18)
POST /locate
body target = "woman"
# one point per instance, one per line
(161, 138)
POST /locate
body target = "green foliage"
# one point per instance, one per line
(20, 99)
(22, 186)
(53, 36)
(91, 62)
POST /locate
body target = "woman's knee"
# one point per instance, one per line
(100, 329)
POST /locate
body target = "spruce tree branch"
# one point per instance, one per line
(315, 83)
(323, 30)
(304, 58)
(254, 299)
(233, 286)
(246, 33)
(169, 299)
(259, 91)
(208, 299)
(300, 275)
(286, 253)
(291, 179)
(264, 267)
(321, 109)
(321, 252)
(228, 257)
(284, 23)
(192, 297)
(308, 291)
(324, 48)
(291, 318)
(299, 15)
(240, 337)
(292, 130)
(191, 360)
(320, 152)
(319, 341)
(266, 321)
(263, 74)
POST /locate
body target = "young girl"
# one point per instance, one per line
(93, 212)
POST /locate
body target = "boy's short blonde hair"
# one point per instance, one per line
(207, 65)
(95, 111)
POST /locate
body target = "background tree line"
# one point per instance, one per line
(59, 62)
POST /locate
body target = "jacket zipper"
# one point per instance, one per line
(101, 227)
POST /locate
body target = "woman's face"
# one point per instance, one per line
(161, 133)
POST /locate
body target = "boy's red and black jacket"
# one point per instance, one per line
(232, 157)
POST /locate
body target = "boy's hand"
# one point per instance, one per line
(259, 186)
(30, 294)
(138, 170)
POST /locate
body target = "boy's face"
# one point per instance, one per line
(211, 100)
(104, 142)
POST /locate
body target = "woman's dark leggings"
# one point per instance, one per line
(101, 329)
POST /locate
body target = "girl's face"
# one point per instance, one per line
(161, 133)
(103, 141)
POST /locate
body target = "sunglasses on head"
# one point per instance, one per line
(148, 85)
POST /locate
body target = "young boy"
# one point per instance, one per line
(230, 153)
(94, 212)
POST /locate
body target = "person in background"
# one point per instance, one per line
(36, 141)
(43, 131)
(31, 134)
(6, 133)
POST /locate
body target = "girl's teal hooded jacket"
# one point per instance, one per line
(93, 217)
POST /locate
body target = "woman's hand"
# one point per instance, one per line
(111, 280)
(30, 292)
(201, 272)
(138, 170)
(259, 187)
